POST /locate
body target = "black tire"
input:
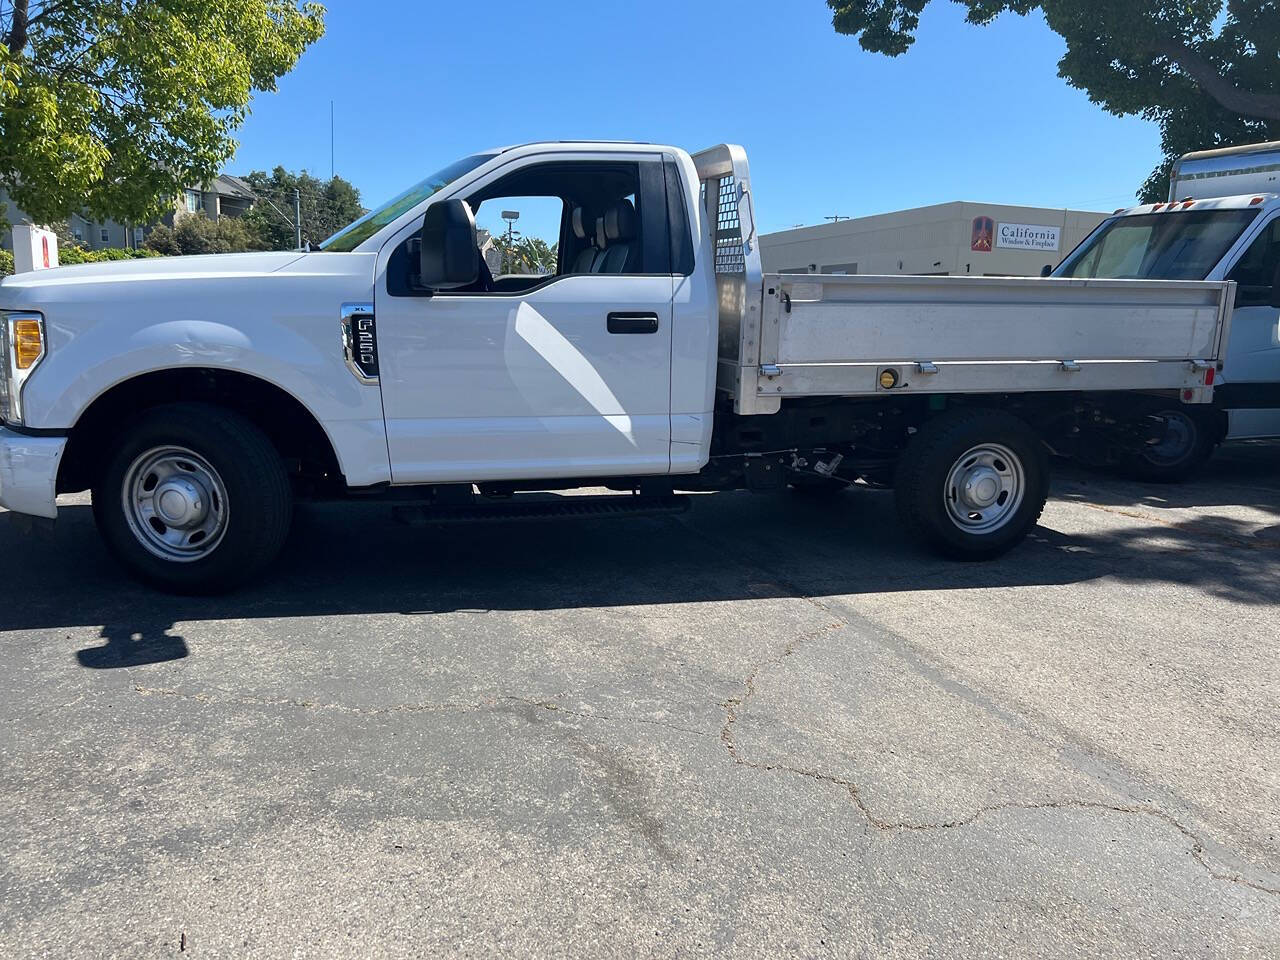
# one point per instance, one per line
(942, 445)
(1191, 440)
(258, 498)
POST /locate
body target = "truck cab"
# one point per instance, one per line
(1221, 222)
(599, 367)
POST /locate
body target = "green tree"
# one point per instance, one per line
(111, 106)
(327, 207)
(536, 255)
(1206, 71)
(525, 254)
(194, 233)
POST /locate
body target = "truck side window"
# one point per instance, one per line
(1256, 271)
(576, 217)
(613, 217)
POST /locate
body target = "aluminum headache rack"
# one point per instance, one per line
(829, 335)
(726, 199)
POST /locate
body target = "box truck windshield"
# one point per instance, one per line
(1158, 246)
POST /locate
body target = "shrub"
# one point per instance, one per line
(69, 255)
(194, 233)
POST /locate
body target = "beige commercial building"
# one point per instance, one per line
(978, 239)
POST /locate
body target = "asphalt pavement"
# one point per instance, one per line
(767, 727)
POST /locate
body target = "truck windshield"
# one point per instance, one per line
(350, 237)
(1158, 246)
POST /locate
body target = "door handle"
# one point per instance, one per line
(633, 323)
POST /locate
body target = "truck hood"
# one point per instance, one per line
(155, 268)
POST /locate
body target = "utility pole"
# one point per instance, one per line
(297, 215)
(330, 139)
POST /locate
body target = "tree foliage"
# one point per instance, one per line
(194, 233)
(526, 254)
(111, 106)
(1207, 71)
(327, 207)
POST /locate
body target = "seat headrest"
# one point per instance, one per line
(584, 225)
(620, 221)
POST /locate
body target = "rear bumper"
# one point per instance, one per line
(29, 473)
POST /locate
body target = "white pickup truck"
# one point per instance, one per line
(198, 397)
(1221, 222)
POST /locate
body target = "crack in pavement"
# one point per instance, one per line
(445, 706)
(734, 705)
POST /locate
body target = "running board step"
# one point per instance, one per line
(586, 508)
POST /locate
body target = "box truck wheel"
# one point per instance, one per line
(1186, 444)
(194, 500)
(972, 483)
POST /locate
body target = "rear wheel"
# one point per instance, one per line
(1186, 443)
(972, 483)
(195, 499)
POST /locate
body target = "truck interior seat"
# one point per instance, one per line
(615, 232)
(584, 228)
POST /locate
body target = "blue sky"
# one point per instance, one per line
(969, 113)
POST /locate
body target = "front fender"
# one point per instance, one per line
(291, 340)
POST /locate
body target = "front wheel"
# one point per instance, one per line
(972, 483)
(194, 500)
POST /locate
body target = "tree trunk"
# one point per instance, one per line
(17, 39)
(1263, 106)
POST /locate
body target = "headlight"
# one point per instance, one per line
(22, 347)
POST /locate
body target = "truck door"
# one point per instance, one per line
(557, 362)
(1251, 371)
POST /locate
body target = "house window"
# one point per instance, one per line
(194, 201)
(106, 235)
(137, 236)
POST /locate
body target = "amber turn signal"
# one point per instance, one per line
(28, 343)
(888, 379)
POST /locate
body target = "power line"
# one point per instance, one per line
(289, 191)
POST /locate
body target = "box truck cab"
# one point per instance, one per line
(1221, 222)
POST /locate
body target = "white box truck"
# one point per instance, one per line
(198, 397)
(1221, 222)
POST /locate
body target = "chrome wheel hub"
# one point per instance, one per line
(984, 488)
(175, 504)
(181, 502)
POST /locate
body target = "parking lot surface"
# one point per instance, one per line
(766, 727)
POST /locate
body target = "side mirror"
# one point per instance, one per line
(1046, 270)
(449, 255)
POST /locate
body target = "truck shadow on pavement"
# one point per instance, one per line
(355, 559)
